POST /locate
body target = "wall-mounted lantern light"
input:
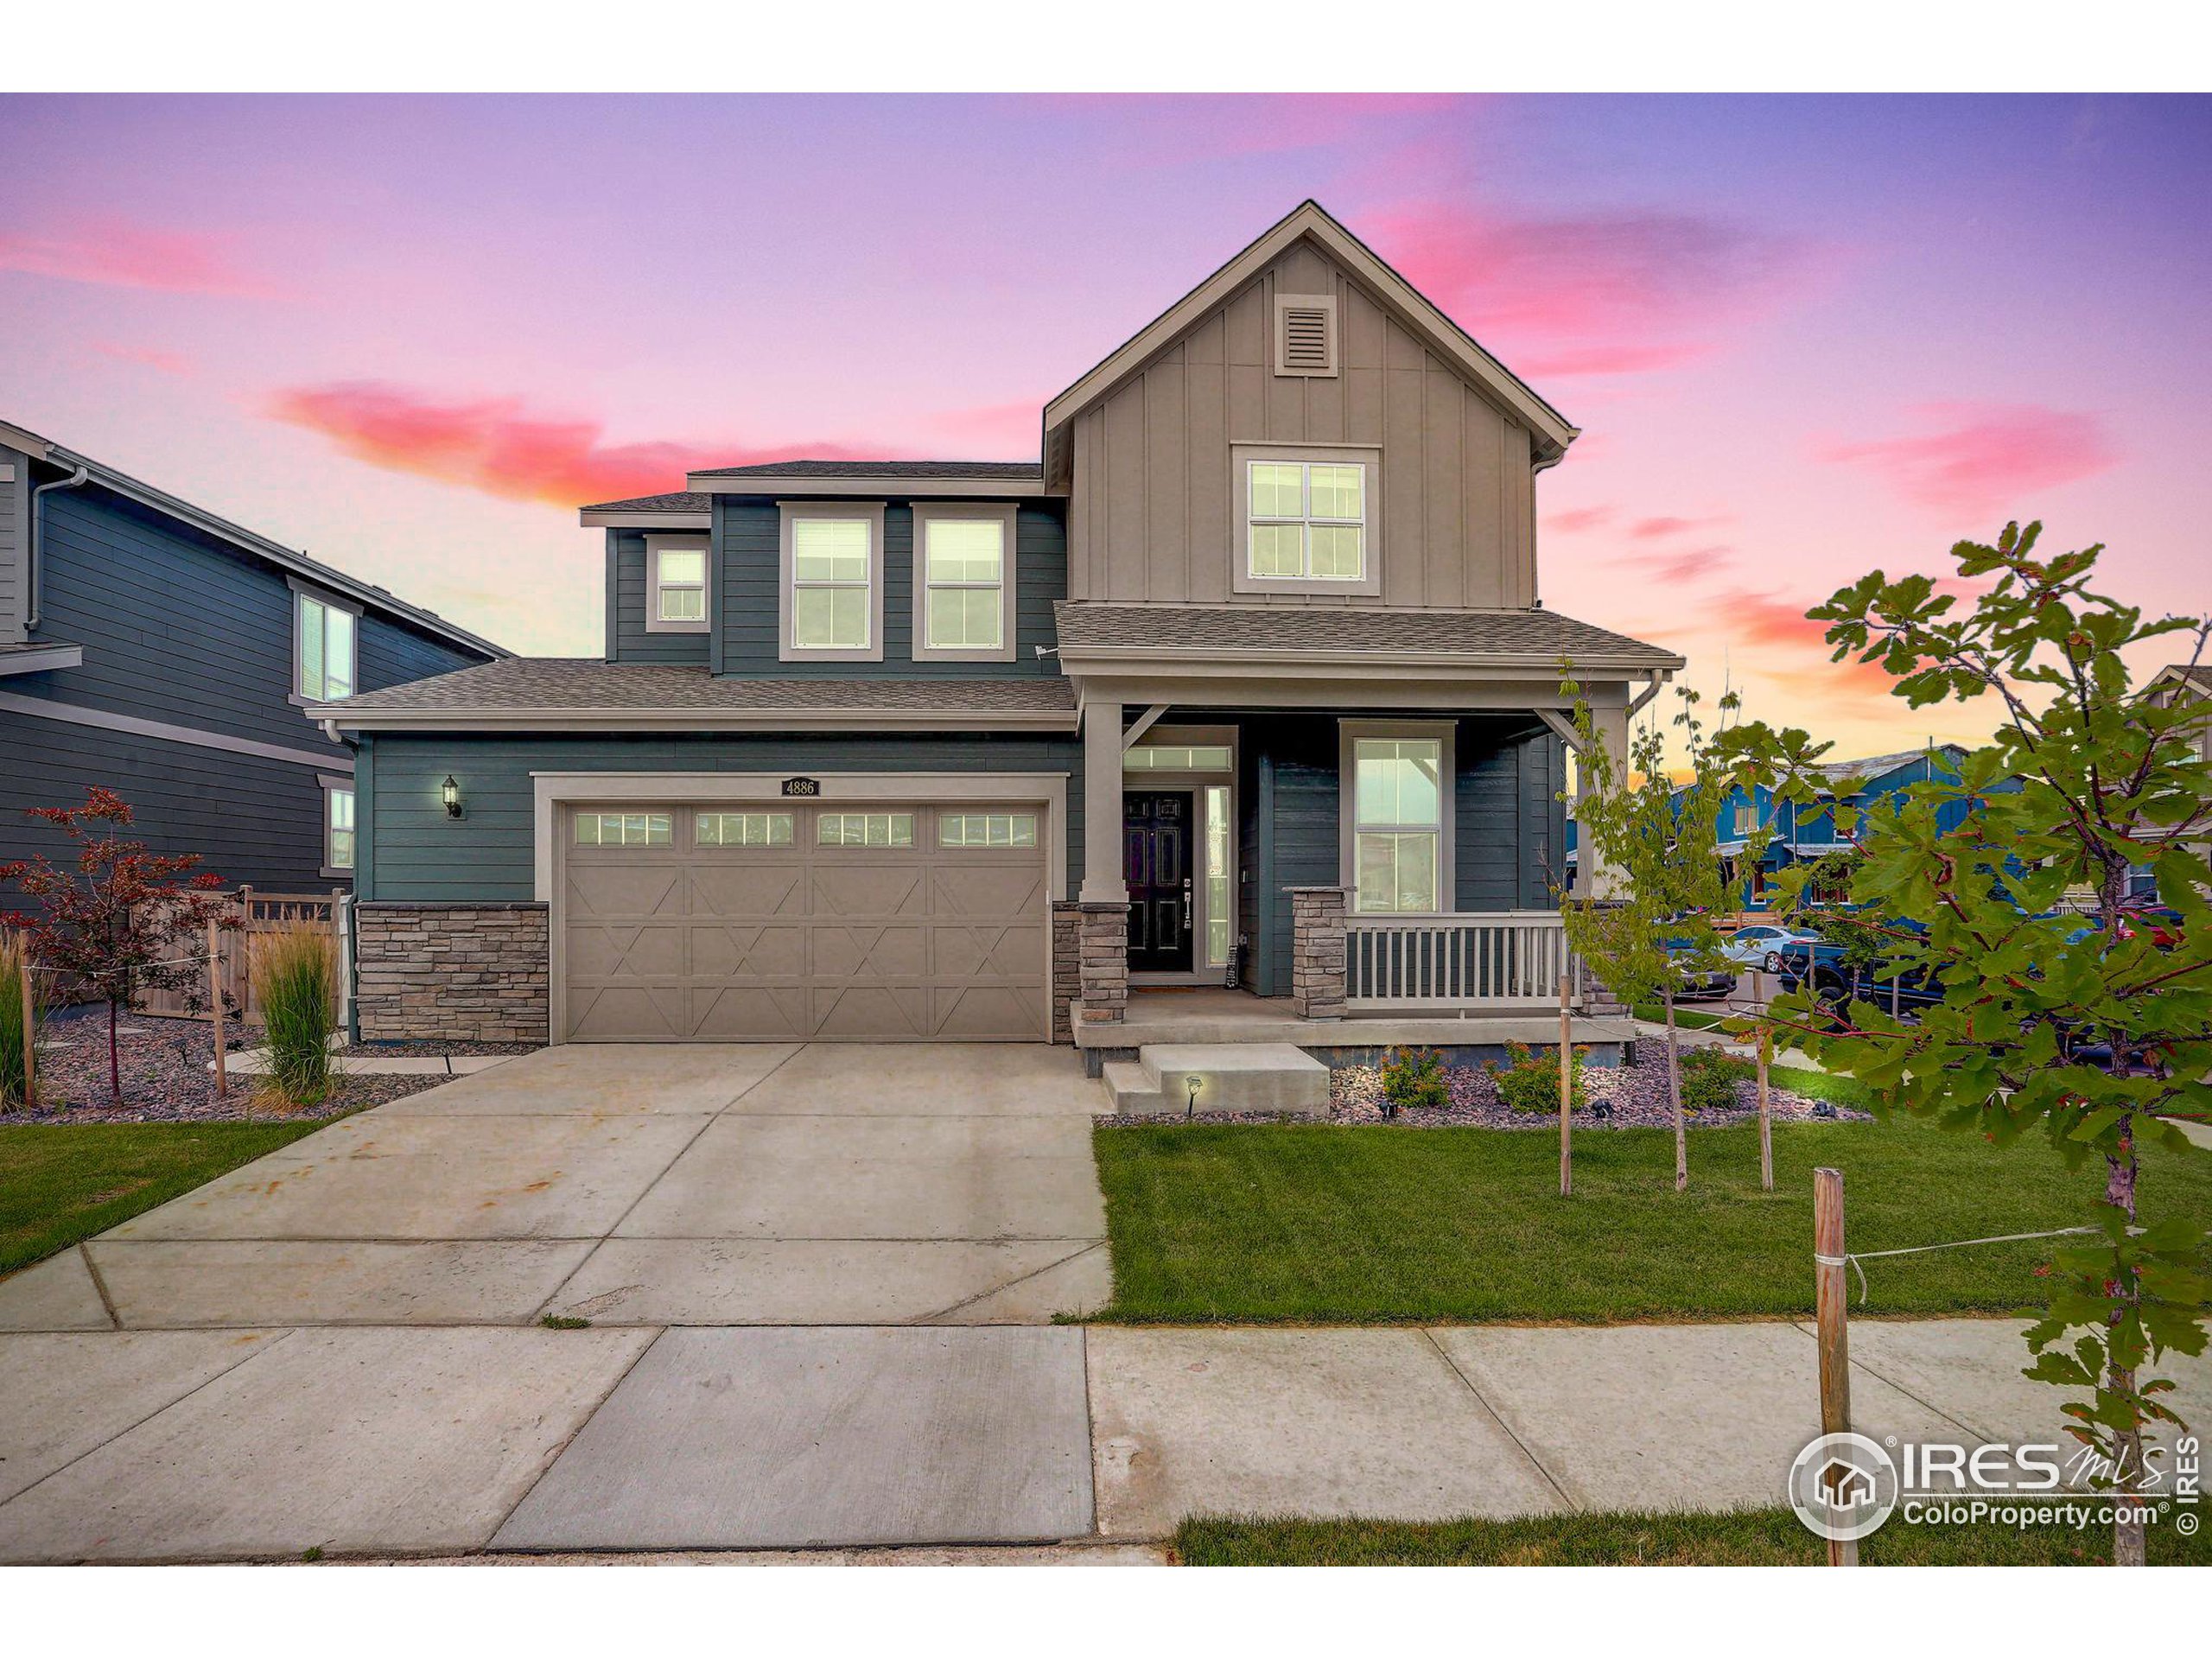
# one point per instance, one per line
(450, 791)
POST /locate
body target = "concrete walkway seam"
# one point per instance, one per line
(100, 1285)
(1497, 1417)
(581, 1423)
(1929, 1406)
(1019, 1278)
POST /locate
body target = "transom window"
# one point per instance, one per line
(679, 585)
(623, 829)
(832, 579)
(963, 598)
(987, 829)
(326, 654)
(744, 828)
(1178, 757)
(1398, 823)
(865, 829)
(338, 827)
(1307, 520)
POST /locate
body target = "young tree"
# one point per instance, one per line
(2095, 1033)
(122, 918)
(1641, 940)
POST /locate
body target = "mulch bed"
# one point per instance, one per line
(1620, 1097)
(432, 1051)
(166, 1078)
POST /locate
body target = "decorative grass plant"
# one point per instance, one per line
(14, 964)
(295, 971)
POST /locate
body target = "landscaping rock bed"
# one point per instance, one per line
(1620, 1097)
(410, 1050)
(166, 1075)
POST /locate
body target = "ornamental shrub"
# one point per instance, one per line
(1710, 1077)
(1415, 1077)
(1531, 1083)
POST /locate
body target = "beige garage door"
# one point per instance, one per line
(876, 923)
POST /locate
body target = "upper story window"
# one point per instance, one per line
(963, 582)
(324, 656)
(831, 602)
(676, 572)
(1308, 519)
(1397, 829)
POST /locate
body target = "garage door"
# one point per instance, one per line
(881, 923)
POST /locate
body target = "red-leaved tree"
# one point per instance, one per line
(124, 919)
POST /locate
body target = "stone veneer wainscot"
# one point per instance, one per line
(467, 973)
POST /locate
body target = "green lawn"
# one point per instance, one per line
(1687, 1016)
(59, 1183)
(1267, 1223)
(1745, 1538)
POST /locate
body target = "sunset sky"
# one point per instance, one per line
(1804, 337)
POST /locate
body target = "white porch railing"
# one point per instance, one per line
(1479, 962)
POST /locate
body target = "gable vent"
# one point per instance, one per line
(1305, 334)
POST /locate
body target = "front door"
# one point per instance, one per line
(1156, 862)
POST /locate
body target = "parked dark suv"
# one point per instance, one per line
(1906, 989)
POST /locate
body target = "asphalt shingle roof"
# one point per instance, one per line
(580, 683)
(1543, 635)
(1009, 469)
(674, 501)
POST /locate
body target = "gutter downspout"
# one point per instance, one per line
(30, 617)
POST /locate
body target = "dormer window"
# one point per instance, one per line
(676, 601)
(1306, 335)
(1308, 519)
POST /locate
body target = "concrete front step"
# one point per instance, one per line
(1220, 1078)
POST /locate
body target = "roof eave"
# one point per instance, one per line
(966, 486)
(1181, 660)
(692, 720)
(594, 518)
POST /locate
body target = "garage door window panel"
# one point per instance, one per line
(623, 829)
(746, 830)
(865, 829)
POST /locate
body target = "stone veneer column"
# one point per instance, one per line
(470, 973)
(1317, 951)
(1103, 954)
(1067, 967)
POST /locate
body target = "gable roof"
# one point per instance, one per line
(1848, 775)
(367, 593)
(1552, 431)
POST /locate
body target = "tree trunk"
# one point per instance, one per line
(114, 1063)
(1674, 1097)
(2128, 1540)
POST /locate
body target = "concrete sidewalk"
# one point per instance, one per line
(379, 1442)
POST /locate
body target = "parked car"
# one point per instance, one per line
(1821, 964)
(1699, 984)
(1758, 944)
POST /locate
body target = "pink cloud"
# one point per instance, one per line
(1597, 293)
(1688, 565)
(1982, 458)
(1009, 427)
(146, 356)
(1580, 519)
(1651, 530)
(114, 254)
(492, 444)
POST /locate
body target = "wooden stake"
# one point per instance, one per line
(30, 1039)
(215, 1005)
(1766, 1118)
(1833, 1301)
(1566, 1092)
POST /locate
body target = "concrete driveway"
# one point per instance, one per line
(638, 1184)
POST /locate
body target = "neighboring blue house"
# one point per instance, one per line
(1241, 688)
(149, 647)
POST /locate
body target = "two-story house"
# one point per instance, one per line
(150, 647)
(1245, 683)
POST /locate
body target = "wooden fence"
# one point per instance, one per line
(258, 912)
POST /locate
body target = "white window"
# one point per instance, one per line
(987, 829)
(865, 829)
(963, 582)
(831, 601)
(622, 829)
(1178, 757)
(337, 829)
(744, 828)
(676, 580)
(1219, 919)
(1398, 787)
(325, 658)
(1309, 517)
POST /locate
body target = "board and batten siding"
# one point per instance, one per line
(1508, 830)
(748, 533)
(1150, 514)
(411, 850)
(15, 545)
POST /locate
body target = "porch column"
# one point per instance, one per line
(1317, 951)
(1103, 883)
(1596, 879)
